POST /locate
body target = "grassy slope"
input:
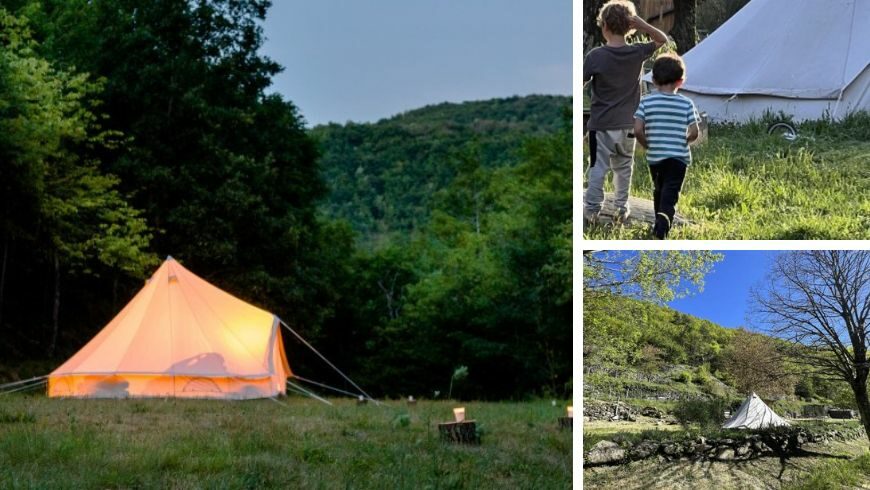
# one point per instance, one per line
(745, 184)
(260, 443)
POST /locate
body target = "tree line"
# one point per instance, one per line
(132, 131)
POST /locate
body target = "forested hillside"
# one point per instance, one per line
(642, 349)
(130, 131)
(387, 176)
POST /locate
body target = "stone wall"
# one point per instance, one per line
(603, 410)
(740, 446)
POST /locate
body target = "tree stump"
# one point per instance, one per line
(464, 432)
(641, 211)
(361, 401)
(566, 423)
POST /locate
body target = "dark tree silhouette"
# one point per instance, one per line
(820, 301)
(685, 32)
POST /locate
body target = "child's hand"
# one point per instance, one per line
(636, 22)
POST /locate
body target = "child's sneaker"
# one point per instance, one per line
(621, 216)
(590, 217)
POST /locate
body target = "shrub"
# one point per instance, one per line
(684, 377)
(708, 414)
(702, 375)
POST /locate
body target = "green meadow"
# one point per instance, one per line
(746, 184)
(290, 443)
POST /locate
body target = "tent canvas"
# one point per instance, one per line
(754, 414)
(759, 61)
(179, 337)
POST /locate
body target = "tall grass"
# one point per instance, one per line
(846, 474)
(263, 444)
(745, 184)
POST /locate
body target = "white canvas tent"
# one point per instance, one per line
(754, 414)
(806, 58)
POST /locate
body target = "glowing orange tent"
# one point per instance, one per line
(179, 337)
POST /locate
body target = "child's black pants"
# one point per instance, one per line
(667, 177)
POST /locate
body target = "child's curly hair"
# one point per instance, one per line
(616, 14)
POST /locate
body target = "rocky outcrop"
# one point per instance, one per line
(601, 410)
(596, 410)
(604, 452)
(652, 412)
(739, 447)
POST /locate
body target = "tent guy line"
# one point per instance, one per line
(26, 387)
(327, 361)
(322, 385)
(14, 383)
(312, 395)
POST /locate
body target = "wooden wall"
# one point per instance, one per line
(659, 13)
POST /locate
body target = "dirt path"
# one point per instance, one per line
(762, 473)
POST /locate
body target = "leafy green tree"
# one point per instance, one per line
(56, 196)
(659, 275)
(225, 172)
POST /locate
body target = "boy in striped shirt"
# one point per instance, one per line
(665, 123)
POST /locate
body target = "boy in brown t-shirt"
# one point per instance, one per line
(614, 70)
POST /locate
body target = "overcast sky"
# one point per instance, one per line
(362, 61)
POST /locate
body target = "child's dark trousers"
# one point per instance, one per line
(667, 177)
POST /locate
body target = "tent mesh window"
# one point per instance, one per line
(201, 385)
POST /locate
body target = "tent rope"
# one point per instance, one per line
(31, 386)
(312, 395)
(327, 361)
(322, 385)
(14, 383)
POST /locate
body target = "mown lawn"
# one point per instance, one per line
(299, 443)
(745, 184)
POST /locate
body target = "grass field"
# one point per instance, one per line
(745, 184)
(825, 466)
(299, 443)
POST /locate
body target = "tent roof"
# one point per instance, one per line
(786, 48)
(754, 414)
(179, 324)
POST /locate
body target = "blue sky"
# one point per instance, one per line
(725, 299)
(363, 61)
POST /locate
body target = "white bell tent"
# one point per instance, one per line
(754, 414)
(805, 58)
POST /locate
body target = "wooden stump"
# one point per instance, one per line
(412, 402)
(566, 423)
(459, 432)
(641, 211)
(361, 401)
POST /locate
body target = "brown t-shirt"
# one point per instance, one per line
(615, 75)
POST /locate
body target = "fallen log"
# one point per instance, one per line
(641, 211)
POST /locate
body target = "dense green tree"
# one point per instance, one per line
(60, 208)
(225, 173)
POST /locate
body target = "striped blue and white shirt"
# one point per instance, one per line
(667, 118)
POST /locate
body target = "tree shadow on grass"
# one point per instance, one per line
(803, 453)
(684, 474)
